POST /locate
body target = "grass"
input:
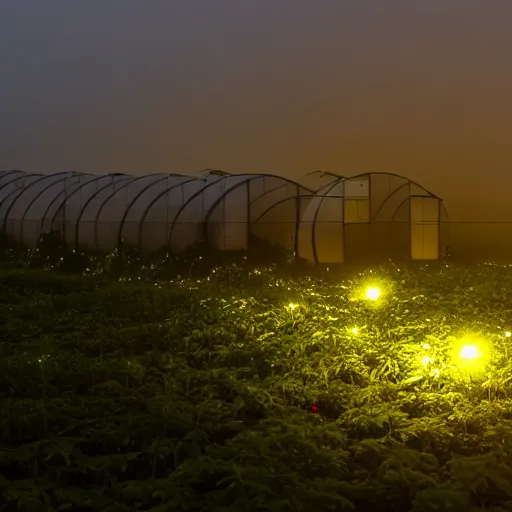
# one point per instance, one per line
(195, 393)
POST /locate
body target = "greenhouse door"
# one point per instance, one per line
(328, 228)
(424, 228)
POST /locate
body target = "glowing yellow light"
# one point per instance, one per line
(372, 293)
(508, 334)
(292, 306)
(472, 354)
(355, 330)
(426, 346)
(469, 352)
(425, 360)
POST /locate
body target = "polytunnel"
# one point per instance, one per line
(325, 219)
(254, 206)
(373, 215)
(102, 213)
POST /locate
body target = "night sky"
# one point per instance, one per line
(420, 88)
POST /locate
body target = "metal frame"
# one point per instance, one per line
(12, 192)
(122, 182)
(248, 237)
(389, 196)
(215, 172)
(123, 186)
(114, 192)
(97, 179)
(251, 178)
(133, 201)
(315, 216)
(23, 190)
(3, 185)
(8, 173)
(3, 199)
(157, 197)
(194, 195)
(86, 204)
(297, 225)
(408, 183)
(439, 241)
(281, 201)
(37, 196)
(214, 205)
(288, 182)
(322, 172)
(395, 176)
(52, 202)
(400, 206)
(412, 196)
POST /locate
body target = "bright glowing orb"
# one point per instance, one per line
(292, 306)
(355, 330)
(372, 293)
(425, 360)
(469, 352)
(472, 354)
(426, 346)
(508, 334)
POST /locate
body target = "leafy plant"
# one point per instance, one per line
(130, 383)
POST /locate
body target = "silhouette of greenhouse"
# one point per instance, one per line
(323, 218)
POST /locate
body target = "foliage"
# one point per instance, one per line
(121, 390)
(52, 254)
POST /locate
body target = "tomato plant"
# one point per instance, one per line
(255, 387)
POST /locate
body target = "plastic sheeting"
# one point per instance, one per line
(332, 219)
(370, 216)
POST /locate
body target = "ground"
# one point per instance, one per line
(141, 393)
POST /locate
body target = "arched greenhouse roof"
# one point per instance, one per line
(104, 212)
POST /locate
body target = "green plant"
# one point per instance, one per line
(123, 388)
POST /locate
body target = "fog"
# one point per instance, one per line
(417, 88)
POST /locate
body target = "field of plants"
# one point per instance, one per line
(248, 388)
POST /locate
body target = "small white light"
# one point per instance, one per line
(372, 293)
(469, 352)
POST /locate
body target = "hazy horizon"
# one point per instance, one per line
(286, 87)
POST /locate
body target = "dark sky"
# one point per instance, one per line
(421, 88)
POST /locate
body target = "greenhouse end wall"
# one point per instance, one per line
(324, 218)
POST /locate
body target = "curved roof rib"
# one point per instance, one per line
(185, 180)
(38, 195)
(134, 200)
(396, 176)
(100, 211)
(114, 179)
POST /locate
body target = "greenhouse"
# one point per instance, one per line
(376, 215)
(323, 218)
